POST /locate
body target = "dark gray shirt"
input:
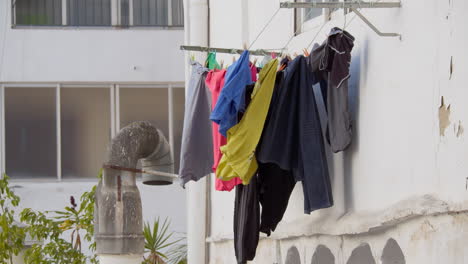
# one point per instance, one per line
(196, 155)
(330, 62)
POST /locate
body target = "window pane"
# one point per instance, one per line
(150, 12)
(30, 133)
(177, 12)
(38, 12)
(124, 12)
(85, 114)
(89, 12)
(145, 104)
(179, 108)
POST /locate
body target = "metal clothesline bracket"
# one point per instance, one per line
(259, 52)
(353, 5)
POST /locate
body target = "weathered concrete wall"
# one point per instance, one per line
(409, 151)
(434, 239)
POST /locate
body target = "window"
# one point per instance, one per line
(30, 132)
(38, 12)
(85, 123)
(150, 12)
(150, 104)
(63, 132)
(178, 108)
(89, 12)
(160, 13)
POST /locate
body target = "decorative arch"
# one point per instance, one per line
(361, 255)
(392, 253)
(323, 255)
(293, 256)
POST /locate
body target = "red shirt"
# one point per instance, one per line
(215, 82)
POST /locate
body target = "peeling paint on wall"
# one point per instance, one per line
(451, 67)
(444, 117)
(460, 129)
(424, 231)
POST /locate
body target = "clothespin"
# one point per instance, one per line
(192, 56)
(244, 46)
(221, 63)
(233, 59)
(282, 67)
(255, 62)
(306, 52)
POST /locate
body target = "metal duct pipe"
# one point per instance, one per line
(118, 214)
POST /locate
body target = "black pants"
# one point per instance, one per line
(246, 221)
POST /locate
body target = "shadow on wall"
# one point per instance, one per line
(293, 256)
(323, 255)
(361, 255)
(358, 72)
(392, 253)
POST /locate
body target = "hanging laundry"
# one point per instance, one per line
(246, 208)
(253, 72)
(231, 98)
(246, 221)
(239, 153)
(211, 62)
(275, 187)
(274, 184)
(196, 154)
(292, 139)
(215, 82)
(330, 62)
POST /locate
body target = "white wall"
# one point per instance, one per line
(66, 54)
(398, 155)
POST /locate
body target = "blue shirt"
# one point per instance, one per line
(231, 99)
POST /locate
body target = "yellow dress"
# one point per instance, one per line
(242, 139)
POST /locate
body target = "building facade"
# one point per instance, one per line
(72, 73)
(401, 188)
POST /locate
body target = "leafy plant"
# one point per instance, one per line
(178, 254)
(51, 228)
(159, 245)
(12, 236)
(48, 227)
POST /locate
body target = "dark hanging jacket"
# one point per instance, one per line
(330, 62)
(293, 140)
(275, 185)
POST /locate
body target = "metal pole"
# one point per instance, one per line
(347, 4)
(361, 16)
(58, 123)
(225, 50)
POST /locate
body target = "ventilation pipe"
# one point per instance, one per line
(118, 215)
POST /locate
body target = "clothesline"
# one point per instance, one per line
(258, 52)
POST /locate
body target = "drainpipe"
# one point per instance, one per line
(118, 215)
(196, 33)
